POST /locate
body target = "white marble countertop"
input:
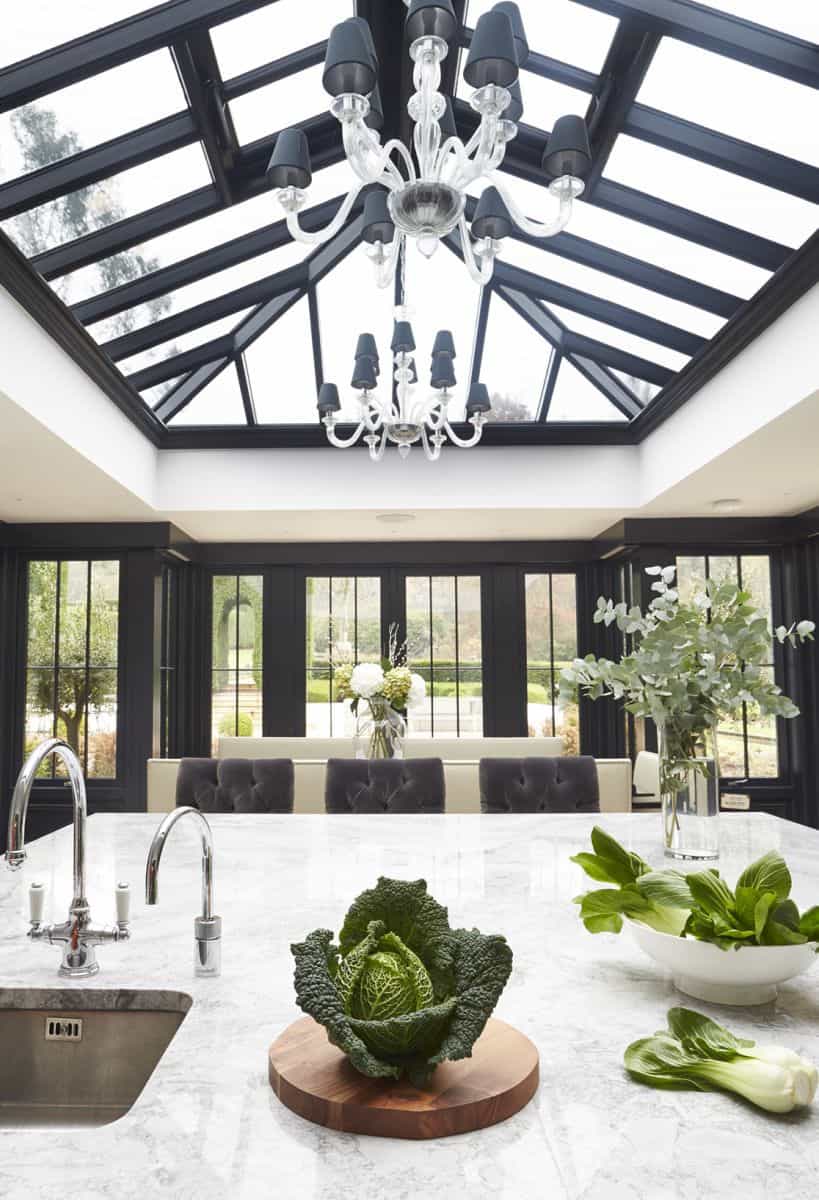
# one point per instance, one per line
(208, 1126)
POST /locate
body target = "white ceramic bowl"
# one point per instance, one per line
(745, 976)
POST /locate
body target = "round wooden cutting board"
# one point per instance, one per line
(315, 1080)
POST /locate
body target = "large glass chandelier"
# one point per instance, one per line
(422, 195)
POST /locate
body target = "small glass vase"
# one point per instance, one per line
(379, 732)
(689, 793)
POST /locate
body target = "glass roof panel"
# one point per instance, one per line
(644, 391)
(172, 247)
(440, 295)
(515, 364)
(101, 204)
(560, 29)
(219, 403)
(640, 241)
(603, 286)
(341, 322)
(618, 338)
(218, 284)
(275, 31)
(713, 192)
(153, 395)
(735, 99)
(268, 109)
(575, 399)
(800, 18)
(41, 24)
(544, 100)
(185, 341)
(88, 113)
(280, 367)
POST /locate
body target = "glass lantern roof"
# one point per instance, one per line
(133, 147)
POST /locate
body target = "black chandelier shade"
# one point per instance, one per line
(567, 151)
(375, 117)
(444, 344)
(378, 226)
(448, 127)
(328, 401)
(515, 110)
(492, 54)
(289, 164)
(365, 376)
(367, 347)
(443, 371)
(491, 218)
(350, 64)
(478, 401)
(519, 33)
(403, 341)
(431, 18)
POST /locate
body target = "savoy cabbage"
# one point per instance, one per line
(401, 992)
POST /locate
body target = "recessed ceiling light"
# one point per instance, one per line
(395, 518)
(729, 504)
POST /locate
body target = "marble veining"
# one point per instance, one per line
(208, 1127)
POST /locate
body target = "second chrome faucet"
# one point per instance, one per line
(207, 928)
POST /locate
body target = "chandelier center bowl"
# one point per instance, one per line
(425, 209)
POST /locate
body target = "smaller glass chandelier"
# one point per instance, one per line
(404, 418)
(421, 192)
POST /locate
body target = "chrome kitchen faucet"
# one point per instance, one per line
(207, 929)
(77, 936)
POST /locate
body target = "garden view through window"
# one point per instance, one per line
(444, 646)
(343, 626)
(551, 644)
(747, 744)
(236, 675)
(71, 662)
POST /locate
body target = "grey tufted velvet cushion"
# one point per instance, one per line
(552, 785)
(236, 785)
(388, 785)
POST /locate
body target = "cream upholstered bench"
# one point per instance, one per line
(460, 756)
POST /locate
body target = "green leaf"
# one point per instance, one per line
(662, 1062)
(596, 867)
(768, 874)
(413, 967)
(350, 969)
(701, 1036)
(406, 908)
(777, 934)
(809, 924)
(623, 867)
(712, 894)
(786, 913)
(669, 888)
(483, 964)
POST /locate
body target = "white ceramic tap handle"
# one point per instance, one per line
(123, 895)
(36, 903)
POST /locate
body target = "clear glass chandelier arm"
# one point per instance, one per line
(344, 443)
(535, 228)
(427, 132)
(370, 160)
(433, 453)
(480, 270)
(465, 443)
(385, 271)
(319, 236)
(377, 452)
(483, 152)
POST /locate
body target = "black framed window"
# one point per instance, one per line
(343, 625)
(167, 656)
(551, 645)
(72, 661)
(236, 656)
(748, 744)
(443, 615)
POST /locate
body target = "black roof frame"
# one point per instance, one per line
(238, 173)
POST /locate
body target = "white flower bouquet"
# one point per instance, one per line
(388, 689)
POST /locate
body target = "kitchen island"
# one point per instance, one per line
(208, 1126)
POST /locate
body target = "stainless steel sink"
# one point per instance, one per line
(73, 1057)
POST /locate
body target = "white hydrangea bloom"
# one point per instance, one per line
(367, 679)
(417, 692)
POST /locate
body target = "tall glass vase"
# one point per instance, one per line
(689, 793)
(380, 730)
